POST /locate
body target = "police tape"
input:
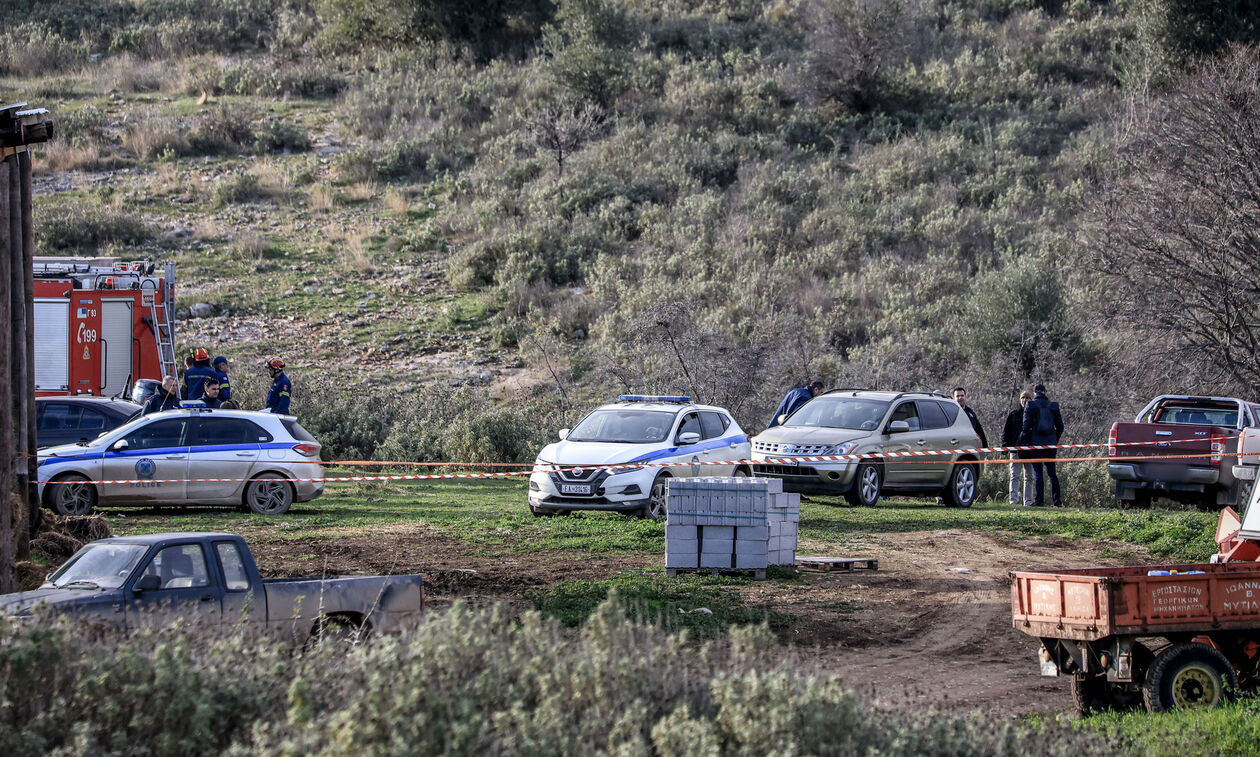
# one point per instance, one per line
(789, 461)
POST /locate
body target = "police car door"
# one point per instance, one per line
(222, 448)
(688, 454)
(152, 459)
(718, 450)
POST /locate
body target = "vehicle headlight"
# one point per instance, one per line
(542, 462)
(627, 469)
(843, 449)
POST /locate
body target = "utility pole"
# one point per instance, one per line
(20, 127)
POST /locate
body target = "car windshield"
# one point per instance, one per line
(101, 566)
(836, 412)
(627, 426)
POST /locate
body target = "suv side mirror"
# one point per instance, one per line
(148, 583)
(898, 427)
(564, 434)
(688, 437)
(121, 444)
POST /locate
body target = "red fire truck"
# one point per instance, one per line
(101, 325)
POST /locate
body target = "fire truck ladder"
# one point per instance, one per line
(165, 326)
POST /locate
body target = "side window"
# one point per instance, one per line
(91, 420)
(167, 433)
(951, 411)
(234, 576)
(179, 567)
(58, 416)
(228, 431)
(691, 424)
(931, 414)
(714, 424)
(906, 412)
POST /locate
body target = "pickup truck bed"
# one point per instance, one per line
(1172, 636)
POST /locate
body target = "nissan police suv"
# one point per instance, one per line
(656, 437)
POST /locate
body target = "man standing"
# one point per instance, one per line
(165, 398)
(960, 396)
(794, 399)
(281, 390)
(199, 372)
(1043, 424)
(211, 393)
(220, 366)
(1021, 477)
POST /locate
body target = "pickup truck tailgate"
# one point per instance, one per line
(1093, 603)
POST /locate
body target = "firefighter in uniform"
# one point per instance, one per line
(199, 372)
(220, 366)
(281, 390)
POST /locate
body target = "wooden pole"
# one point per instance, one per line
(23, 380)
(28, 286)
(8, 204)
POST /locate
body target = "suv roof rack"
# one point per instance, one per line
(671, 399)
(928, 394)
(847, 389)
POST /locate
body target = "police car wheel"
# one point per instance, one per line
(269, 494)
(77, 498)
(658, 499)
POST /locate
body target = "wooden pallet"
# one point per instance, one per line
(757, 573)
(836, 564)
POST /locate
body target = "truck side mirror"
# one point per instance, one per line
(564, 434)
(898, 427)
(148, 583)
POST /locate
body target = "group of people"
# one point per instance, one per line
(1037, 421)
(207, 381)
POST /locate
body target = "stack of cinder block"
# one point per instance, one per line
(720, 523)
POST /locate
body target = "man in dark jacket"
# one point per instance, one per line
(1043, 424)
(211, 393)
(281, 390)
(165, 398)
(960, 396)
(1021, 477)
(794, 399)
(220, 366)
(199, 372)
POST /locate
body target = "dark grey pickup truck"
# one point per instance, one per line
(209, 579)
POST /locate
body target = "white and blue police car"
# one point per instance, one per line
(673, 434)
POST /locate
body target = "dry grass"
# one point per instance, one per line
(127, 73)
(62, 156)
(250, 248)
(273, 177)
(320, 197)
(152, 134)
(361, 191)
(356, 256)
(396, 201)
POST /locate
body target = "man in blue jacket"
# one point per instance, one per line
(220, 366)
(1043, 424)
(281, 390)
(794, 399)
(195, 376)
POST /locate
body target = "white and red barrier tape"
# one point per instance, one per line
(780, 460)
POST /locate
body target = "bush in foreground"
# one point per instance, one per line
(465, 682)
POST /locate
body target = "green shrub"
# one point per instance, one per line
(237, 187)
(279, 136)
(86, 227)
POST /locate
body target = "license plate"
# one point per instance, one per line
(575, 488)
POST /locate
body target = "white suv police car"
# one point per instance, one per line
(195, 455)
(635, 429)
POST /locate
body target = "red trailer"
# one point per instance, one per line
(101, 325)
(1173, 637)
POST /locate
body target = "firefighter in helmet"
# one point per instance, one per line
(199, 372)
(281, 390)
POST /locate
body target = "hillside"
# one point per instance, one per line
(554, 203)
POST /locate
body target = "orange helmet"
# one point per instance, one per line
(200, 354)
(275, 362)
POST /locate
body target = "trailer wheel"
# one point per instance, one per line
(1189, 676)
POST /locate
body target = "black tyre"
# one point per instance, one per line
(963, 486)
(78, 498)
(1188, 676)
(867, 483)
(340, 630)
(268, 494)
(741, 472)
(658, 499)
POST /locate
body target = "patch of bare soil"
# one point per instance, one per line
(930, 629)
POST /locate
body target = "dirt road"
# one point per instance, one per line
(930, 628)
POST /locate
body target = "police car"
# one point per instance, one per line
(635, 429)
(158, 459)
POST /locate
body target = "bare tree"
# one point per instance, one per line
(1175, 234)
(562, 129)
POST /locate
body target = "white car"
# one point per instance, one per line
(164, 458)
(635, 429)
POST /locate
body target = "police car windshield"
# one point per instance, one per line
(625, 426)
(104, 566)
(835, 412)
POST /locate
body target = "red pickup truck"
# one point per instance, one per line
(1172, 637)
(1188, 453)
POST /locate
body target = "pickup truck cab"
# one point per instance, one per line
(1186, 438)
(210, 579)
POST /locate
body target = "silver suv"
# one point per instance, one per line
(857, 421)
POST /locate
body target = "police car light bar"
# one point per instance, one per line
(192, 404)
(651, 398)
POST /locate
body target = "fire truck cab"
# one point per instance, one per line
(101, 324)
